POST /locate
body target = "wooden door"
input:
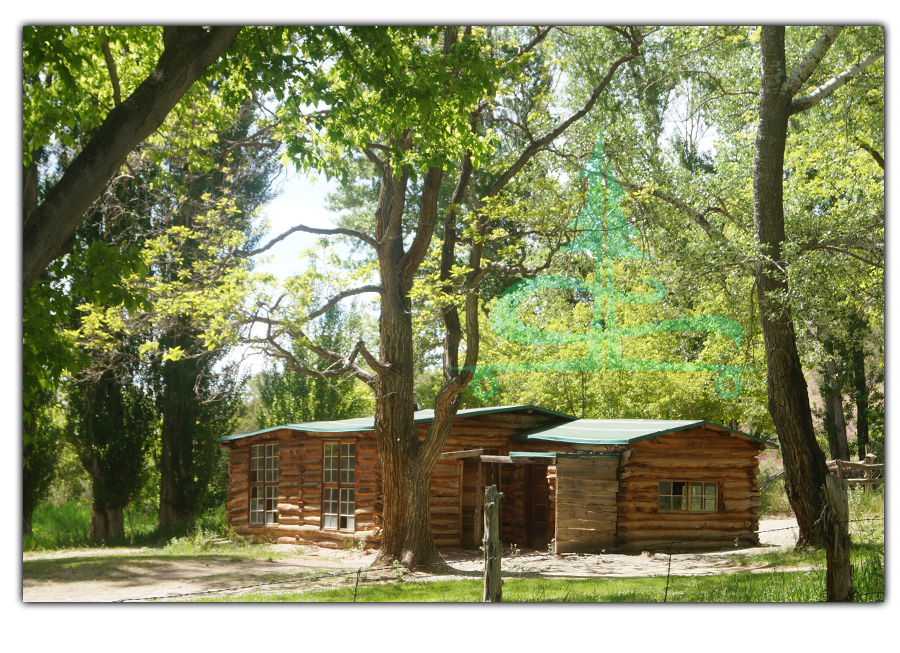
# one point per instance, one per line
(537, 507)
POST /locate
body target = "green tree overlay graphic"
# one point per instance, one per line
(604, 232)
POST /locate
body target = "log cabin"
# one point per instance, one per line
(580, 485)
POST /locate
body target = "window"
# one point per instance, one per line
(264, 484)
(339, 486)
(687, 495)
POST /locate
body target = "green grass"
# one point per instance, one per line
(68, 526)
(787, 586)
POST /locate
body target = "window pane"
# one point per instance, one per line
(348, 461)
(709, 504)
(677, 503)
(709, 489)
(271, 463)
(696, 489)
(665, 503)
(678, 488)
(330, 463)
(665, 488)
(329, 507)
(696, 504)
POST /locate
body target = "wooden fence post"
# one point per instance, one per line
(493, 549)
(838, 580)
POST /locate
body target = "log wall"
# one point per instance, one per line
(300, 488)
(697, 455)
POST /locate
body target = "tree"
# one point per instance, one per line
(788, 399)
(41, 457)
(785, 262)
(49, 57)
(418, 103)
(111, 424)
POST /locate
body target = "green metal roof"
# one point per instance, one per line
(368, 423)
(620, 431)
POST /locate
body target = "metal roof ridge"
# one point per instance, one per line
(428, 417)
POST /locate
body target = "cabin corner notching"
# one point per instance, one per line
(587, 484)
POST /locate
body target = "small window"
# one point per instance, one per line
(264, 484)
(339, 486)
(687, 495)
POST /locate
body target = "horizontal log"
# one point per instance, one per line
(446, 541)
(628, 526)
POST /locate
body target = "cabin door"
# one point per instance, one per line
(537, 507)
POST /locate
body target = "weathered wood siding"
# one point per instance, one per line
(696, 455)
(586, 504)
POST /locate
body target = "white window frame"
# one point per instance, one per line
(339, 485)
(264, 468)
(694, 496)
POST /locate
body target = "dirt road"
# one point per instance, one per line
(135, 574)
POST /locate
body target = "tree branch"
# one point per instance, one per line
(366, 238)
(805, 68)
(871, 150)
(49, 230)
(347, 293)
(111, 67)
(550, 136)
(833, 84)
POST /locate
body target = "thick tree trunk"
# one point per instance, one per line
(107, 523)
(176, 474)
(406, 463)
(804, 462)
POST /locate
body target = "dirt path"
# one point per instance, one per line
(129, 574)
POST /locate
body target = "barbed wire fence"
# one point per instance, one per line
(513, 556)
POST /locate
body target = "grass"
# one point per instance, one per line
(787, 586)
(67, 526)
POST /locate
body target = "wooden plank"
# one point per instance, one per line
(469, 453)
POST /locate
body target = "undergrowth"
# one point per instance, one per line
(67, 526)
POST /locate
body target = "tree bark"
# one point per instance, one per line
(406, 472)
(835, 424)
(860, 388)
(804, 462)
(107, 523)
(177, 504)
(49, 230)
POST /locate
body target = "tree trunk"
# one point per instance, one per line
(176, 507)
(107, 523)
(835, 425)
(406, 463)
(860, 388)
(27, 513)
(804, 462)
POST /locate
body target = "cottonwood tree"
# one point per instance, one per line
(780, 98)
(59, 65)
(417, 102)
(741, 209)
